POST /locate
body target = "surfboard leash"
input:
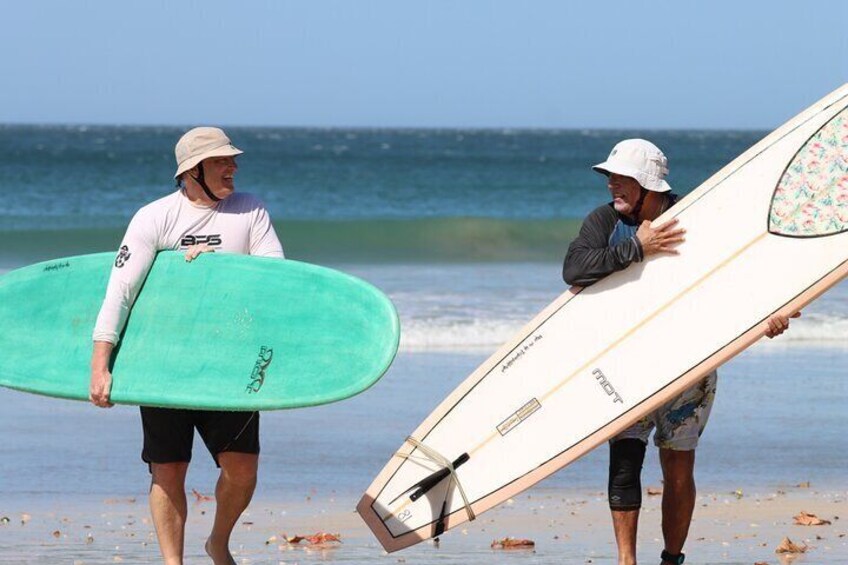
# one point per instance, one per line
(448, 469)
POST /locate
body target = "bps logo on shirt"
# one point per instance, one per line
(211, 239)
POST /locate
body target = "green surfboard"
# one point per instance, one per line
(224, 332)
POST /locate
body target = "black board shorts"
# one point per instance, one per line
(169, 433)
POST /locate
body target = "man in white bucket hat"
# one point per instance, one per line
(613, 237)
(205, 214)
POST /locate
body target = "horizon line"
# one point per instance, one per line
(385, 128)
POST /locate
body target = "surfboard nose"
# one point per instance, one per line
(811, 199)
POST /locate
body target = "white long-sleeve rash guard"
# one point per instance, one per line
(237, 224)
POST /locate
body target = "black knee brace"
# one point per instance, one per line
(625, 471)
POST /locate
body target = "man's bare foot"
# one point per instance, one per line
(219, 555)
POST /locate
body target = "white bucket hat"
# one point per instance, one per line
(201, 143)
(638, 159)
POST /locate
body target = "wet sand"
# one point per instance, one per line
(567, 527)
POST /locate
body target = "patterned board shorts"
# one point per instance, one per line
(681, 421)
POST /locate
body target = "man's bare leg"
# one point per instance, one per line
(678, 502)
(232, 495)
(625, 523)
(168, 508)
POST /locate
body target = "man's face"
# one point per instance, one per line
(219, 173)
(625, 193)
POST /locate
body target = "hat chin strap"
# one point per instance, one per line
(638, 208)
(201, 180)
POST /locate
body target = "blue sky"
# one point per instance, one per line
(460, 63)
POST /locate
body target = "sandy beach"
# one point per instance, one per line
(567, 527)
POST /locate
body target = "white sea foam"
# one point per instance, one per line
(466, 335)
(486, 334)
(477, 308)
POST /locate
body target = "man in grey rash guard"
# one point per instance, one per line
(205, 214)
(611, 238)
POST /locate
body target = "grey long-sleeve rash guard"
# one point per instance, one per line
(606, 243)
(593, 254)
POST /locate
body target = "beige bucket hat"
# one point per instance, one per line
(202, 143)
(638, 159)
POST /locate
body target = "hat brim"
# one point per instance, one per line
(606, 168)
(223, 151)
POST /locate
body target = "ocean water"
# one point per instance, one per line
(357, 195)
(464, 230)
(778, 421)
(98, 176)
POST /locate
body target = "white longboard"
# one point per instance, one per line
(765, 234)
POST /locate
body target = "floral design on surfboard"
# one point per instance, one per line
(811, 199)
